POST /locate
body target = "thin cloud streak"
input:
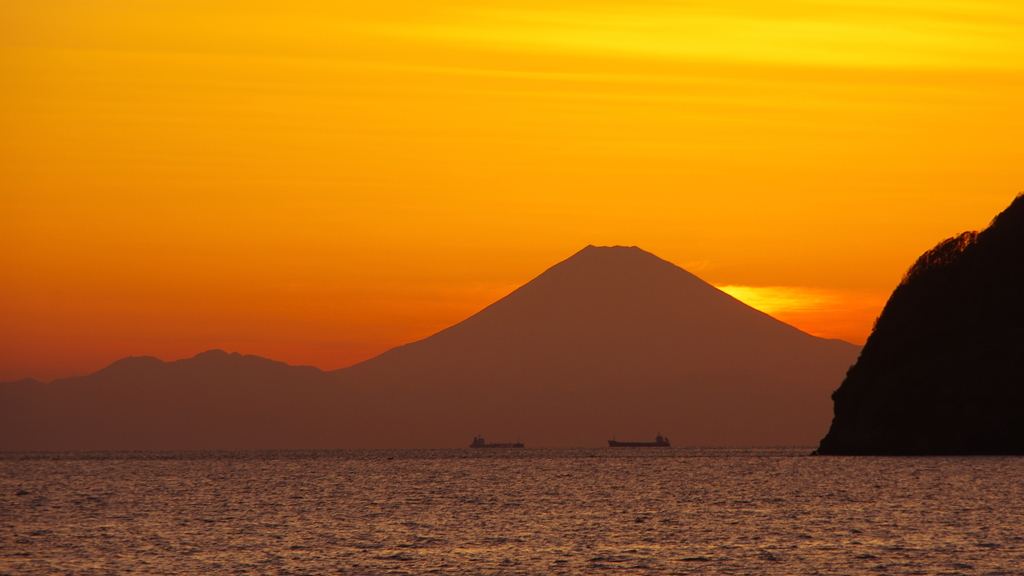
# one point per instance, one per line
(834, 34)
(822, 312)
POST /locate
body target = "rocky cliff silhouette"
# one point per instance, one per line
(613, 340)
(943, 370)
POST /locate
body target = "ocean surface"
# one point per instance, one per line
(528, 511)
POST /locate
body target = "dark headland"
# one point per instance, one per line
(613, 340)
(943, 370)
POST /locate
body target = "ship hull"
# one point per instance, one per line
(517, 445)
(614, 444)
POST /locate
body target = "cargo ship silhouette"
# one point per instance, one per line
(478, 442)
(659, 442)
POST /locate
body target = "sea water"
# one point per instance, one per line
(510, 511)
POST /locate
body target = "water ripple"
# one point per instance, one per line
(630, 511)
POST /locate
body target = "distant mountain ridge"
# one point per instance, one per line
(612, 341)
(28, 381)
(212, 400)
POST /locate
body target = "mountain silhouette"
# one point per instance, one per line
(213, 400)
(613, 341)
(943, 370)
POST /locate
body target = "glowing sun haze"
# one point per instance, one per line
(317, 182)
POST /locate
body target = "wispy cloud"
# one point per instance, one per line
(823, 312)
(782, 299)
(838, 33)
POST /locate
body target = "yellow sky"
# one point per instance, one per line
(319, 181)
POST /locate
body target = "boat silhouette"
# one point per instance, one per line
(478, 442)
(659, 442)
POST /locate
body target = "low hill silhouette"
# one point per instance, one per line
(612, 341)
(213, 400)
(943, 370)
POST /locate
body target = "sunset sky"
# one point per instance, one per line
(316, 182)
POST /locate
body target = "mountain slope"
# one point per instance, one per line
(613, 340)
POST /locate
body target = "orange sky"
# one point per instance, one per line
(318, 181)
